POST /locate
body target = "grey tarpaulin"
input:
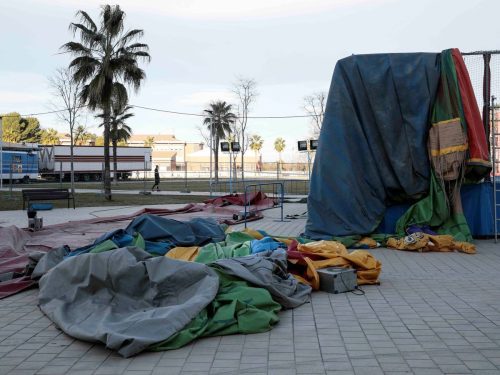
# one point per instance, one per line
(267, 270)
(125, 298)
(48, 261)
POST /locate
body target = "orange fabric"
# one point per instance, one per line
(370, 242)
(327, 249)
(335, 254)
(255, 234)
(426, 242)
(183, 253)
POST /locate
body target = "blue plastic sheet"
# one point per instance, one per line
(372, 148)
(161, 234)
(477, 202)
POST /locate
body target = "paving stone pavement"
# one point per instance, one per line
(434, 313)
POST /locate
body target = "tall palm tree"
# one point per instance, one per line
(119, 130)
(256, 143)
(219, 120)
(107, 59)
(279, 146)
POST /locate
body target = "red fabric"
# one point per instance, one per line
(297, 264)
(253, 198)
(16, 243)
(478, 147)
(10, 287)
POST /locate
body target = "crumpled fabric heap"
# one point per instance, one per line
(117, 295)
(306, 259)
(426, 242)
(125, 298)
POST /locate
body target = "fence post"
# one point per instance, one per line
(102, 179)
(60, 174)
(10, 180)
(185, 190)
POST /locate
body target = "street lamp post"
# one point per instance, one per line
(230, 147)
(308, 146)
(210, 147)
(230, 171)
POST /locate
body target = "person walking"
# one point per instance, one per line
(157, 180)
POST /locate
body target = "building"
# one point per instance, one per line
(168, 151)
(200, 161)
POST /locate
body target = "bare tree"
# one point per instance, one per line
(246, 92)
(205, 133)
(66, 94)
(314, 105)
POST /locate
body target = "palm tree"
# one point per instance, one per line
(256, 143)
(149, 141)
(81, 136)
(219, 120)
(279, 146)
(119, 131)
(50, 137)
(107, 59)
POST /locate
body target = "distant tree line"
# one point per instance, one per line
(18, 129)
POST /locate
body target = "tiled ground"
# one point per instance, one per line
(433, 314)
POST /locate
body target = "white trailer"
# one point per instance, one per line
(88, 161)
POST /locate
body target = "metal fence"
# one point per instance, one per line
(484, 72)
(291, 187)
(265, 170)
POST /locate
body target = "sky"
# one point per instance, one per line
(200, 47)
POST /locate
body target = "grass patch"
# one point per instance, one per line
(14, 201)
(292, 187)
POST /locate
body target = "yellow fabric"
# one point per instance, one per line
(328, 249)
(426, 242)
(449, 150)
(300, 279)
(456, 119)
(183, 253)
(255, 234)
(336, 255)
(258, 236)
(370, 242)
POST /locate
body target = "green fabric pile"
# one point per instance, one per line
(442, 207)
(237, 308)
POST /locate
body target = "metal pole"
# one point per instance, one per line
(144, 179)
(494, 133)
(210, 149)
(282, 199)
(230, 170)
(1, 154)
(185, 190)
(60, 174)
(10, 179)
(309, 164)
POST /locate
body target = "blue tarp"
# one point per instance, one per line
(372, 148)
(477, 202)
(160, 234)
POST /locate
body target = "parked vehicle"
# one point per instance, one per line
(88, 162)
(19, 162)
